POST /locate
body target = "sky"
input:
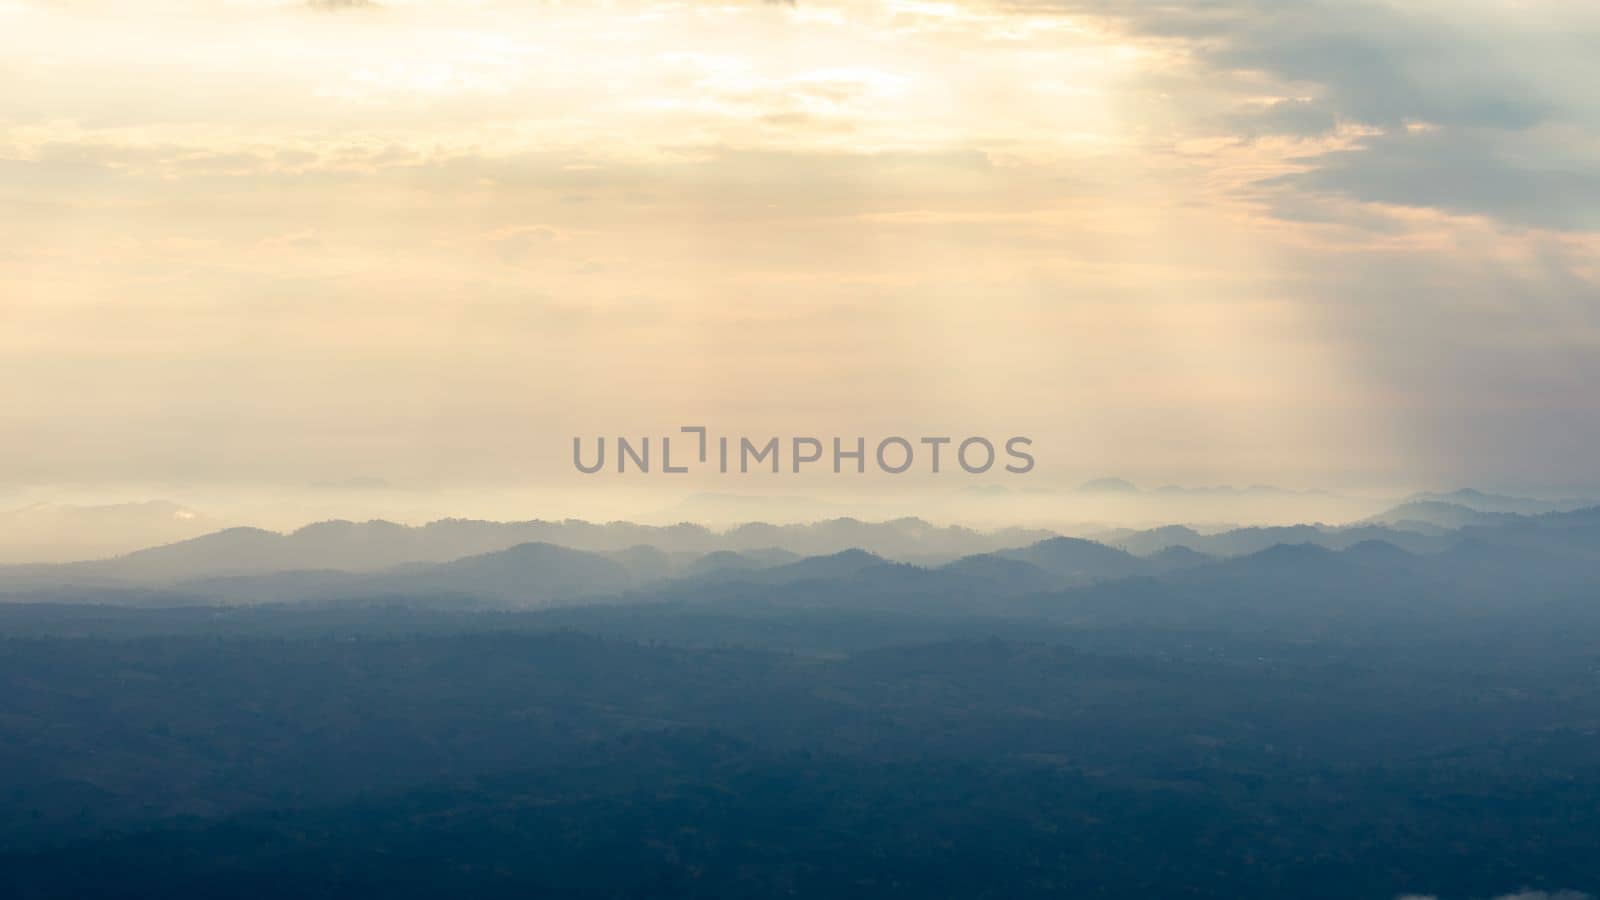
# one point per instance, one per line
(250, 248)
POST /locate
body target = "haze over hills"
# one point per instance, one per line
(375, 545)
(1501, 503)
(378, 709)
(1107, 509)
(536, 564)
(60, 532)
(1437, 515)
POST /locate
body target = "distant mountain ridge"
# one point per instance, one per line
(1416, 515)
(378, 544)
(1484, 502)
(758, 564)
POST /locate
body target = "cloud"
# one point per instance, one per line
(1294, 116)
(1466, 173)
(1367, 260)
(1376, 62)
(338, 5)
(1473, 108)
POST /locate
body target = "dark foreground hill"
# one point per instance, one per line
(1064, 719)
(506, 756)
(694, 814)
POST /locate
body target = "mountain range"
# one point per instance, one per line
(903, 562)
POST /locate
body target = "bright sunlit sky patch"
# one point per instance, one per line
(1310, 242)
